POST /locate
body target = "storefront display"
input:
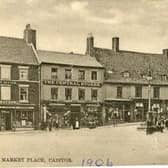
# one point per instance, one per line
(24, 119)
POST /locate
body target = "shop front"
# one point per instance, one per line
(68, 113)
(139, 112)
(16, 118)
(120, 110)
(63, 113)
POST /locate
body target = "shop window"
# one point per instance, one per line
(68, 74)
(5, 72)
(68, 93)
(54, 73)
(81, 75)
(94, 94)
(24, 119)
(156, 92)
(23, 93)
(5, 92)
(119, 92)
(94, 75)
(54, 93)
(23, 73)
(81, 94)
(138, 91)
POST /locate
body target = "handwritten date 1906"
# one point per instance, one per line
(97, 162)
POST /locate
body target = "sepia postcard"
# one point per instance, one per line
(83, 83)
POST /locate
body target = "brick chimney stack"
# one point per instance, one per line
(115, 44)
(165, 52)
(30, 35)
(90, 44)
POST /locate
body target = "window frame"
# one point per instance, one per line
(94, 76)
(79, 91)
(5, 67)
(70, 96)
(119, 91)
(52, 96)
(138, 91)
(10, 94)
(126, 74)
(156, 92)
(56, 73)
(66, 75)
(26, 69)
(92, 97)
(81, 77)
(27, 91)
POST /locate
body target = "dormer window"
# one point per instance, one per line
(164, 77)
(126, 74)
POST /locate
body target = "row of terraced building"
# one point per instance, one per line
(35, 83)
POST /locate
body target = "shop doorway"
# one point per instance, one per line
(6, 120)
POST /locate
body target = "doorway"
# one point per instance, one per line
(6, 120)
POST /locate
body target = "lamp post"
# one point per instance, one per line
(149, 78)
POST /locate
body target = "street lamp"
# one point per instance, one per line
(149, 78)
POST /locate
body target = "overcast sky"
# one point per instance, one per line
(63, 25)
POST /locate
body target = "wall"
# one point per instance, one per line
(46, 89)
(110, 91)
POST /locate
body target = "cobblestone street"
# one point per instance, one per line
(121, 145)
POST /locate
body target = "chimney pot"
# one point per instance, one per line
(115, 44)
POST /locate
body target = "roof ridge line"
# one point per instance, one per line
(129, 51)
(60, 52)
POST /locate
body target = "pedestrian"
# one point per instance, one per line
(129, 116)
(166, 123)
(54, 124)
(114, 119)
(77, 123)
(50, 124)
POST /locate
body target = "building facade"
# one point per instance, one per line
(70, 83)
(19, 83)
(128, 90)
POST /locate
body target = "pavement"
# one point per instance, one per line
(41, 131)
(107, 145)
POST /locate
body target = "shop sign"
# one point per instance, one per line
(4, 102)
(7, 82)
(71, 83)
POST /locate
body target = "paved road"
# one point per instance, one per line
(121, 145)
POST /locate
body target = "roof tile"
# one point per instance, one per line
(15, 50)
(68, 59)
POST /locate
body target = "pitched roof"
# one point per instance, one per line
(136, 63)
(68, 59)
(15, 50)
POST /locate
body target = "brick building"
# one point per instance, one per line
(70, 82)
(126, 85)
(19, 82)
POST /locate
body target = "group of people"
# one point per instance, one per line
(157, 123)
